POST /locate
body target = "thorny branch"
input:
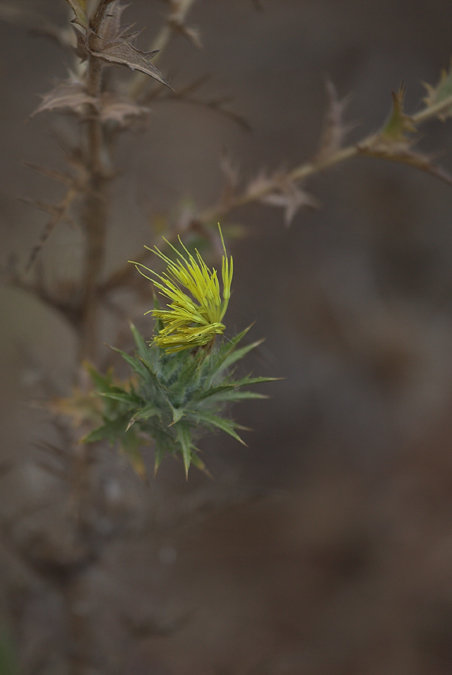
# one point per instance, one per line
(94, 210)
(260, 189)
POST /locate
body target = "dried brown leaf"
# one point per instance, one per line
(121, 51)
(69, 96)
(290, 197)
(111, 25)
(120, 110)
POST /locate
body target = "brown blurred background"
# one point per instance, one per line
(325, 546)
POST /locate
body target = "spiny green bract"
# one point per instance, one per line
(173, 399)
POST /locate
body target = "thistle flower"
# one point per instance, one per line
(193, 320)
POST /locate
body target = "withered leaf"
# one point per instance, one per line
(259, 186)
(122, 52)
(111, 25)
(120, 110)
(440, 93)
(291, 198)
(69, 95)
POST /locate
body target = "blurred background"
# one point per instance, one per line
(325, 546)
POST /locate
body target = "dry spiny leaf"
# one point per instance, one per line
(441, 92)
(120, 50)
(288, 196)
(69, 96)
(120, 110)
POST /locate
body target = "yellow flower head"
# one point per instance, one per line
(190, 320)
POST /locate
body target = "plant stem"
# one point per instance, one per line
(94, 209)
(311, 168)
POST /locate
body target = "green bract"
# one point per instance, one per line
(173, 399)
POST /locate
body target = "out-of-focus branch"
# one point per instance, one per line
(173, 25)
(261, 189)
(94, 210)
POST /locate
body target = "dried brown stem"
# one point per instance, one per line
(94, 210)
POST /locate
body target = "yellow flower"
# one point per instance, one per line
(190, 320)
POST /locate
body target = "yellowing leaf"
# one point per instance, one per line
(398, 124)
(79, 9)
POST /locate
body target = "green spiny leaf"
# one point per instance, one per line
(227, 347)
(102, 383)
(199, 464)
(134, 363)
(184, 438)
(238, 354)
(159, 455)
(249, 381)
(131, 400)
(142, 347)
(111, 430)
(234, 395)
(226, 425)
(145, 413)
(178, 413)
(398, 124)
